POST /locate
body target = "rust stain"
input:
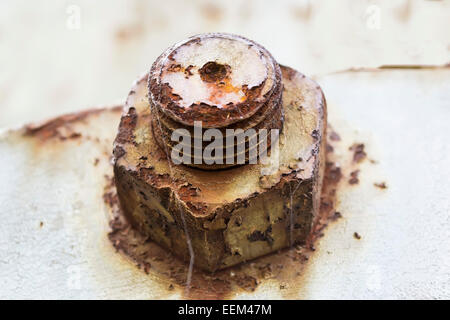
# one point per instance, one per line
(303, 13)
(211, 12)
(129, 32)
(334, 136)
(393, 67)
(218, 78)
(381, 185)
(403, 12)
(220, 89)
(358, 152)
(285, 266)
(60, 127)
(354, 177)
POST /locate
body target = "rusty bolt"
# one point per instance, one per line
(224, 81)
(224, 217)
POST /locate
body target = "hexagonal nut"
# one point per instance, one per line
(232, 215)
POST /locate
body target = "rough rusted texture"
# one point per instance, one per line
(226, 211)
(228, 94)
(358, 152)
(60, 126)
(224, 81)
(162, 133)
(281, 266)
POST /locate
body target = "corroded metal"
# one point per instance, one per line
(225, 81)
(232, 215)
(217, 78)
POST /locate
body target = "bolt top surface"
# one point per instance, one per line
(218, 79)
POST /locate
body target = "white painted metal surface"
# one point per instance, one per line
(61, 56)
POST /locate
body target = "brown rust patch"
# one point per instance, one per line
(60, 127)
(354, 177)
(212, 12)
(262, 236)
(214, 72)
(128, 124)
(333, 172)
(212, 110)
(381, 185)
(403, 12)
(334, 136)
(358, 152)
(284, 266)
(302, 12)
(128, 32)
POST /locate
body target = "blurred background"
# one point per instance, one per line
(58, 56)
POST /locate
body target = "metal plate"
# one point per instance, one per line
(86, 53)
(53, 235)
